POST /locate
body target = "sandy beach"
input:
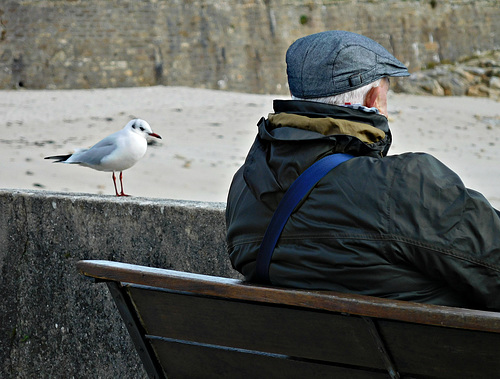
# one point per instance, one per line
(207, 134)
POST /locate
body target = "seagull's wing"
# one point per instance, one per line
(94, 155)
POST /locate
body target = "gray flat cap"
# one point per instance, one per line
(334, 62)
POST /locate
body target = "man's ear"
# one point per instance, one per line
(371, 99)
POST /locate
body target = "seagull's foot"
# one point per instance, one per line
(122, 194)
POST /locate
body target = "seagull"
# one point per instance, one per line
(117, 152)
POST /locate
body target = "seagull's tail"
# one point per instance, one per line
(59, 158)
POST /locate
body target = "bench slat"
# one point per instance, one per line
(427, 349)
(273, 329)
(326, 300)
(195, 361)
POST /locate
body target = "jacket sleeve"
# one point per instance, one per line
(455, 232)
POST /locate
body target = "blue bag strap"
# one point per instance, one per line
(299, 188)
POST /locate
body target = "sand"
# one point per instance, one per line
(207, 134)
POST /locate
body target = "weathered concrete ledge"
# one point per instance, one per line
(54, 322)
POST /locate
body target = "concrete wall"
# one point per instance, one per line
(228, 44)
(55, 323)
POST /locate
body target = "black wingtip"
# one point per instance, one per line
(59, 158)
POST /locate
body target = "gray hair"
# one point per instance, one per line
(356, 96)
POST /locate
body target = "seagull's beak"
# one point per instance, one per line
(154, 135)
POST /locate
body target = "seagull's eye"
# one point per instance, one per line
(133, 126)
(142, 129)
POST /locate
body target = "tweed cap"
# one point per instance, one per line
(333, 62)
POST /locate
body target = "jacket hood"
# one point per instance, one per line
(301, 132)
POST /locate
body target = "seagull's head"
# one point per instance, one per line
(141, 127)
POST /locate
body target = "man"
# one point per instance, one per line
(400, 227)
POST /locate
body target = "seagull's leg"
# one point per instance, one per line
(121, 184)
(114, 182)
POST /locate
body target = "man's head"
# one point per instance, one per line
(333, 63)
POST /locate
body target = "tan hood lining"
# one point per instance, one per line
(328, 126)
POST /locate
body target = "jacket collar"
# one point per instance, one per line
(337, 123)
(328, 126)
(315, 109)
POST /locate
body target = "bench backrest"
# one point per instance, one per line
(189, 325)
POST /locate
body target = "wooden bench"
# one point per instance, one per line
(198, 326)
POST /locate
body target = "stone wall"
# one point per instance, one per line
(54, 323)
(228, 44)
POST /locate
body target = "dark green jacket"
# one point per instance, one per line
(401, 227)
